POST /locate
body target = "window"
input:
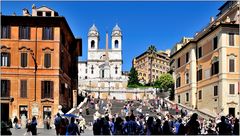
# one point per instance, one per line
(116, 70)
(186, 78)
(199, 52)
(178, 82)
(62, 88)
(231, 39)
(116, 43)
(23, 88)
(39, 13)
(24, 59)
(179, 99)
(47, 89)
(47, 33)
(47, 60)
(200, 95)
(5, 59)
(231, 65)
(63, 40)
(231, 88)
(48, 14)
(178, 62)
(24, 32)
(215, 43)
(215, 68)
(5, 88)
(187, 97)
(187, 57)
(6, 32)
(92, 68)
(62, 61)
(92, 44)
(199, 75)
(86, 71)
(215, 91)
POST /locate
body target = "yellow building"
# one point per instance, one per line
(207, 70)
(148, 72)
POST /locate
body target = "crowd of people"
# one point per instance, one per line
(160, 122)
(131, 120)
(74, 127)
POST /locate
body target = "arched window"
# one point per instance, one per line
(92, 68)
(116, 70)
(116, 43)
(92, 44)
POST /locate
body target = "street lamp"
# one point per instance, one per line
(35, 74)
(108, 88)
(196, 100)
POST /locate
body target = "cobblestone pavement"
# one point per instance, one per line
(46, 132)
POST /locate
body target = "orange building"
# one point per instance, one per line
(39, 56)
(148, 72)
(207, 68)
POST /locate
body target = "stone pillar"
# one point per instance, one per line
(75, 98)
(223, 83)
(193, 74)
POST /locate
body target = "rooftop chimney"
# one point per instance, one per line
(211, 19)
(14, 14)
(25, 12)
(227, 20)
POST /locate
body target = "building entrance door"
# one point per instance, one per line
(4, 112)
(47, 112)
(23, 110)
(231, 111)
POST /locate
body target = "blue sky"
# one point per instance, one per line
(143, 23)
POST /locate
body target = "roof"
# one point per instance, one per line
(116, 28)
(161, 55)
(93, 28)
(203, 36)
(36, 21)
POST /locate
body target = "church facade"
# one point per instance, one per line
(101, 73)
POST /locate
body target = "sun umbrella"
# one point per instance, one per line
(70, 115)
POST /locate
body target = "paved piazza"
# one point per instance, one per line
(46, 132)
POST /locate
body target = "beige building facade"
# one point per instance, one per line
(207, 69)
(160, 65)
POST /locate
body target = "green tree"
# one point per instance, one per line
(166, 83)
(133, 78)
(152, 50)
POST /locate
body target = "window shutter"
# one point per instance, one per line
(45, 60)
(28, 32)
(231, 65)
(25, 59)
(42, 89)
(51, 89)
(8, 88)
(9, 59)
(9, 31)
(51, 33)
(49, 60)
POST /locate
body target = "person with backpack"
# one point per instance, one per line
(72, 128)
(33, 126)
(57, 123)
(193, 126)
(223, 128)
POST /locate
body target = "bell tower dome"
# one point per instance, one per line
(93, 38)
(116, 38)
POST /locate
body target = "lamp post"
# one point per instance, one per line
(35, 74)
(196, 100)
(108, 88)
